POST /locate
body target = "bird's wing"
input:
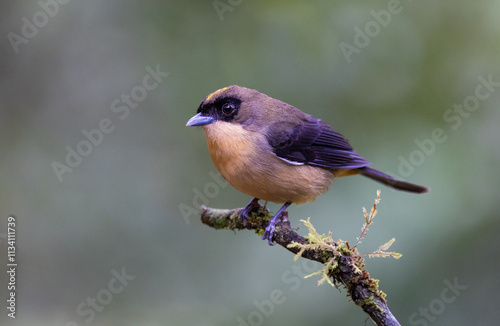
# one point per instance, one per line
(313, 142)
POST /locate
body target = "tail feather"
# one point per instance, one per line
(391, 182)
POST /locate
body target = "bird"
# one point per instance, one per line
(272, 151)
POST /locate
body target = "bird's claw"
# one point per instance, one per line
(269, 233)
(281, 215)
(245, 212)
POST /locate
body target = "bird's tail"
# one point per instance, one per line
(391, 182)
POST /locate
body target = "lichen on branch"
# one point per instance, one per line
(342, 264)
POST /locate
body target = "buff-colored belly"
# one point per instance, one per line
(244, 159)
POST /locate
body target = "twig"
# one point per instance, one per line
(345, 265)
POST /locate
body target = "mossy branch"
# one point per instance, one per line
(343, 265)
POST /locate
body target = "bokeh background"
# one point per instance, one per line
(128, 206)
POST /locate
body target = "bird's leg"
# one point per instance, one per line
(269, 232)
(244, 214)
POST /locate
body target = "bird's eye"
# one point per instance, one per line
(228, 109)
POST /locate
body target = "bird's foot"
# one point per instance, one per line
(269, 232)
(281, 215)
(245, 212)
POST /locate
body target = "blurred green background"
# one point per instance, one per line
(385, 74)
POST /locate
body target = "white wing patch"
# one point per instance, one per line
(290, 162)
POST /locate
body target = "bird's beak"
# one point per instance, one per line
(199, 120)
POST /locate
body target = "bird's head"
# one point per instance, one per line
(234, 104)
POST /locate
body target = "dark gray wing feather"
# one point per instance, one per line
(313, 142)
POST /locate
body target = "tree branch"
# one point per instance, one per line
(347, 267)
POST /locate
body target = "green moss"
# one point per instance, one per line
(218, 223)
(369, 302)
(259, 232)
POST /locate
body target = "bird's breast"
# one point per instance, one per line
(231, 147)
(245, 159)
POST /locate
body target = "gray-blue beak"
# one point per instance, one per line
(199, 120)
